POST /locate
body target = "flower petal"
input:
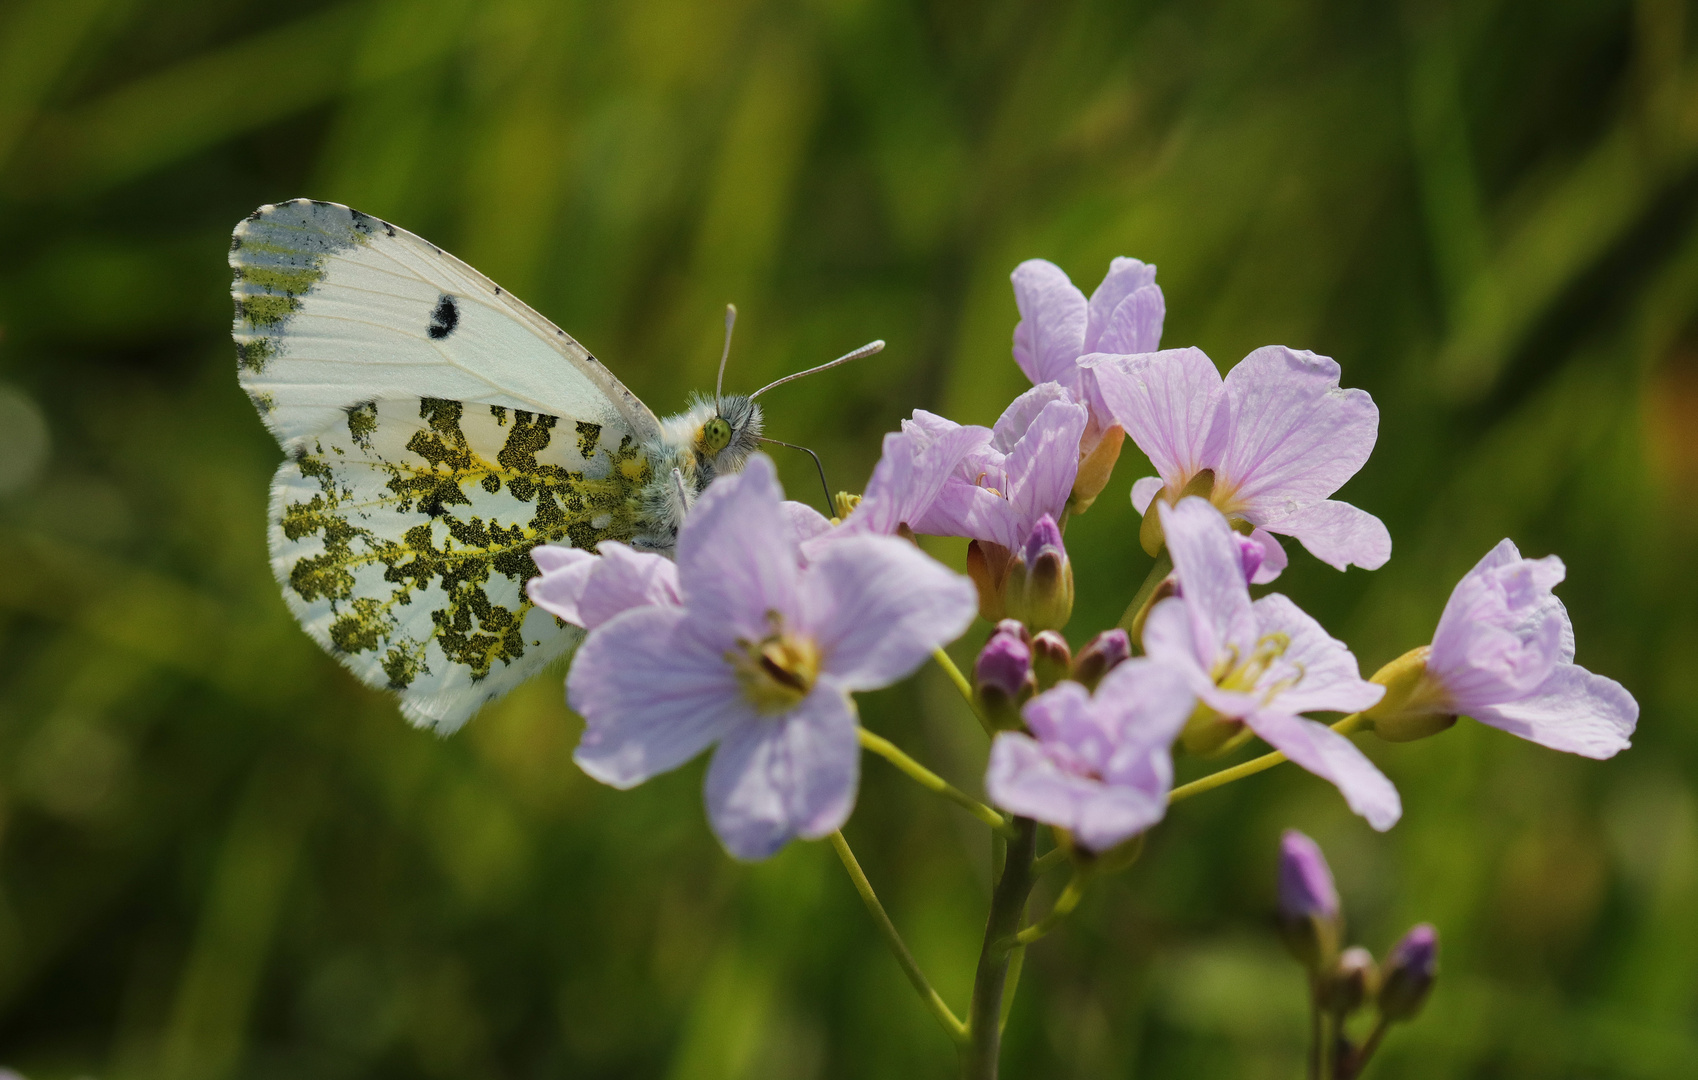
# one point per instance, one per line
(1211, 578)
(1287, 435)
(909, 477)
(1051, 332)
(804, 521)
(1336, 533)
(1166, 401)
(1333, 757)
(552, 557)
(1574, 711)
(1274, 559)
(565, 572)
(1126, 310)
(1168, 639)
(777, 778)
(653, 694)
(1025, 778)
(1317, 672)
(878, 606)
(1041, 468)
(1144, 490)
(1023, 412)
(737, 560)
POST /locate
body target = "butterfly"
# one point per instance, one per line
(436, 430)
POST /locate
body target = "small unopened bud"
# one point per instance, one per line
(1351, 983)
(1101, 655)
(987, 566)
(1002, 675)
(1052, 659)
(1250, 555)
(1308, 901)
(1410, 971)
(1039, 587)
(1415, 705)
(1094, 469)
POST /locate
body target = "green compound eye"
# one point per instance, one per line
(716, 434)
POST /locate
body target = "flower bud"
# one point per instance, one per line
(1094, 469)
(1150, 534)
(1351, 982)
(1101, 655)
(1308, 901)
(1410, 971)
(1415, 705)
(1052, 659)
(1039, 586)
(1002, 675)
(1250, 554)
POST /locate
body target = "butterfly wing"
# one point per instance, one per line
(438, 429)
(335, 308)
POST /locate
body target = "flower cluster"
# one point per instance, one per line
(772, 617)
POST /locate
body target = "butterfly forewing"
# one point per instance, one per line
(402, 538)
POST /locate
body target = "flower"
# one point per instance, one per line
(1099, 766)
(1059, 328)
(1039, 582)
(587, 590)
(1101, 655)
(1411, 969)
(1002, 675)
(1259, 665)
(910, 474)
(1267, 445)
(1503, 653)
(761, 658)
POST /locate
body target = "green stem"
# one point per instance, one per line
(956, 1029)
(1016, 961)
(1158, 574)
(1353, 722)
(1316, 1034)
(965, 687)
(1064, 905)
(1008, 902)
(931, 781)
(1051, 859)
(1352, 1066)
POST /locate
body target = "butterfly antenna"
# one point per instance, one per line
(719, 383)
(868, 349)
(826, 487)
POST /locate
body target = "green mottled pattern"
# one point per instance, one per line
(403, 536)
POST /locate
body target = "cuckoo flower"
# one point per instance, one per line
(1503, 653)
(1267, 445)
(760, 658)
(1259, 665)
(1099, 766)
(1059, 329)
(911, 473)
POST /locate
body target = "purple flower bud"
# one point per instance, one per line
(1250, 553)
(1411, 969)
(1308, 902)
(1351, 981)
(1052, 659)
(1039, 588)
(1100, 656)
(1005, 664)
(1305, 880)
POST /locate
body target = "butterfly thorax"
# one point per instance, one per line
(711, 438)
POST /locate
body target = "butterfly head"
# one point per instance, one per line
(729, 432)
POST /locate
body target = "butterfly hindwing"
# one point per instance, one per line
(335, 307)
(402, 535)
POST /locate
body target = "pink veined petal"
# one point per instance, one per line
(1287, 434)
(1335, 758)
(1117, 813)
(1135, 326)
(805, 522)
(1274, 559)
(777, 778)
(653, 696)
(552, 557)
(878, 606)
(1166, 401)
(623, 579)
(1064, 714)
(1023, 779)
(1051, 332)
(1318, 672)
(1125, 278)
(1147, 701)
(909, 477)
(1144, 490)
(1574, 711)
(1168, 640)
(736, 558)
(565, 573)
(1211, 578)
(1509, 593)
(1336, 533)
(1042, 466)
(1017, 420)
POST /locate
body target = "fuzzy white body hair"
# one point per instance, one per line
(683, 465)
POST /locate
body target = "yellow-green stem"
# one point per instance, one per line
(910, 967)
(1351, 723)
(931, 781)
(964, 686)
(1064, 905)
(1158, 574)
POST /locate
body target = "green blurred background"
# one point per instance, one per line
(221, 857)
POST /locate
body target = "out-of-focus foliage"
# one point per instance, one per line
(221, 857)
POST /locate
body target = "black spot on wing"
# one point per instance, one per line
(444, 318)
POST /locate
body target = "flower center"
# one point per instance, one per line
(777, 671)
(1231, 673)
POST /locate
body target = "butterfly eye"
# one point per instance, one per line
(716, 434)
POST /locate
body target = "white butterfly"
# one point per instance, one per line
(438, 430)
